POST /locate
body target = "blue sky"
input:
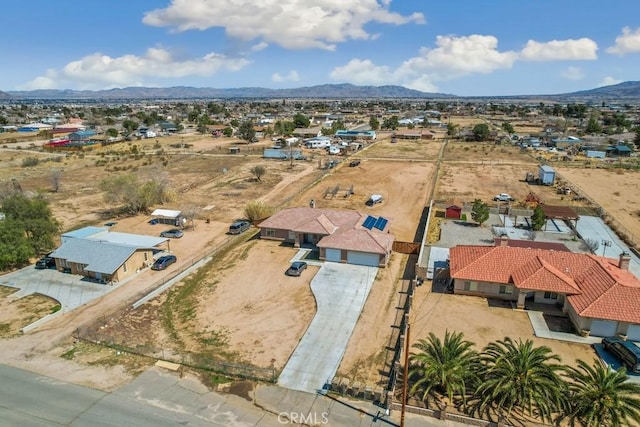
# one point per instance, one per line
(460, 47)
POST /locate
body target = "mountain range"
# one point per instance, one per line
(626, 91)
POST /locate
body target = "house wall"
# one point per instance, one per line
(483, 289)
(274, 234)
(136, 262)
(579, 322)
(538, 297)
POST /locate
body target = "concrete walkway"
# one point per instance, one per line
(341, 291)
(541, 330)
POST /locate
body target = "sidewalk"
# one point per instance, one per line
(317, 409)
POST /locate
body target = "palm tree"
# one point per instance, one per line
(600, 396)
(443, 368)
(518, 376)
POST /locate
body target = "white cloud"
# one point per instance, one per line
(560, 50)
(98, 71)
(292, 24)
(453, 57)
(573, 73)
(609, 81)
(628, 42)
(259, 46)
(291, 77)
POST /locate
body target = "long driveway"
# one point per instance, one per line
(340, 291)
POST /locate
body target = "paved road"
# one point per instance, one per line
(340, 291)
(155, 398)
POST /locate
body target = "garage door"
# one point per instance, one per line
(633, 333)
(334, 255)
(603, 328)
(363, 258)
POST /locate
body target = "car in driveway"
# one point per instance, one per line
(296, 269)
(173, 233)
(374, 200)
(239, 227)
(625, 351)
(45, 263)
(163, 262)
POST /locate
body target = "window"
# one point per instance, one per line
(550, 295)
(124, 267)
(146, 256)
(506, 289)
(470, 286)
(270, 232)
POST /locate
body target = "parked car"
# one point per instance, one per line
(296, 269)
(239, 227)
(374, 199)
(354, 163)
(503, 197)
(625, 351)
(163, 262)
(45, 263)
(173, 233)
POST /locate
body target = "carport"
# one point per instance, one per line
(341, 291)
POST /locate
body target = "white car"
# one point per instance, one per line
(503, 197)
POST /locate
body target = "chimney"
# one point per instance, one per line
(504, 240)
(623, 263)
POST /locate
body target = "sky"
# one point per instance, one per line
(458, 47)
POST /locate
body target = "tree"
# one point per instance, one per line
(479, 211)
(129, 125)
(258, 171)
(507, 127)
(443, 368)
(228, 132)
(374, 123)
(538, 218)
(33, 218)
(481, 132)
(636, 139)
(134, 196)
(599, 396)
(593, 126)
(391, 123)
(301, 121)
(246, 131)
(452, 129)
(256, 210)
(518, 376)
(111, 132)
(15, 249)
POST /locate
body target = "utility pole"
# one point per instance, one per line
(405, 374)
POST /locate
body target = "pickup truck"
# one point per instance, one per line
(503, 197)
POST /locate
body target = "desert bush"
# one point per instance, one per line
(30, 161)
(256, 210)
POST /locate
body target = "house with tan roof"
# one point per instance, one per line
(600, 295)
(341, 236)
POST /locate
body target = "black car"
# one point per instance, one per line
(625, 351)
(45, 263)
(296, 269)
(163, 262)
(354, 163)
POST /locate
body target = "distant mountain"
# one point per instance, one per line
(331, 91)
(4, 95)
(624, 90)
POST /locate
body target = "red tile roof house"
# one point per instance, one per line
(339, 235)
(599, 294)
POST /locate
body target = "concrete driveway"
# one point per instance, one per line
(70, 290)
(341, 291)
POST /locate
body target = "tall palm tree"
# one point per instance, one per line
(600, 396)
(442, 368)
(518, 376)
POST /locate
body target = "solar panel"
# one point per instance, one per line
(381, 223)
(369, 222)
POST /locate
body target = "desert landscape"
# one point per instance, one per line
(240, 306)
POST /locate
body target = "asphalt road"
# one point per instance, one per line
(153, 399)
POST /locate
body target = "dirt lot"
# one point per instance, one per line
(18, 313)
(616, 190)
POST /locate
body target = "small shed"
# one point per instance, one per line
(453, 212)
(167, 216)
(546, 175)
(234, 150)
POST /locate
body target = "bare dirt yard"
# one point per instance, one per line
(481, 323)
(17, 313)
(616, 190)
